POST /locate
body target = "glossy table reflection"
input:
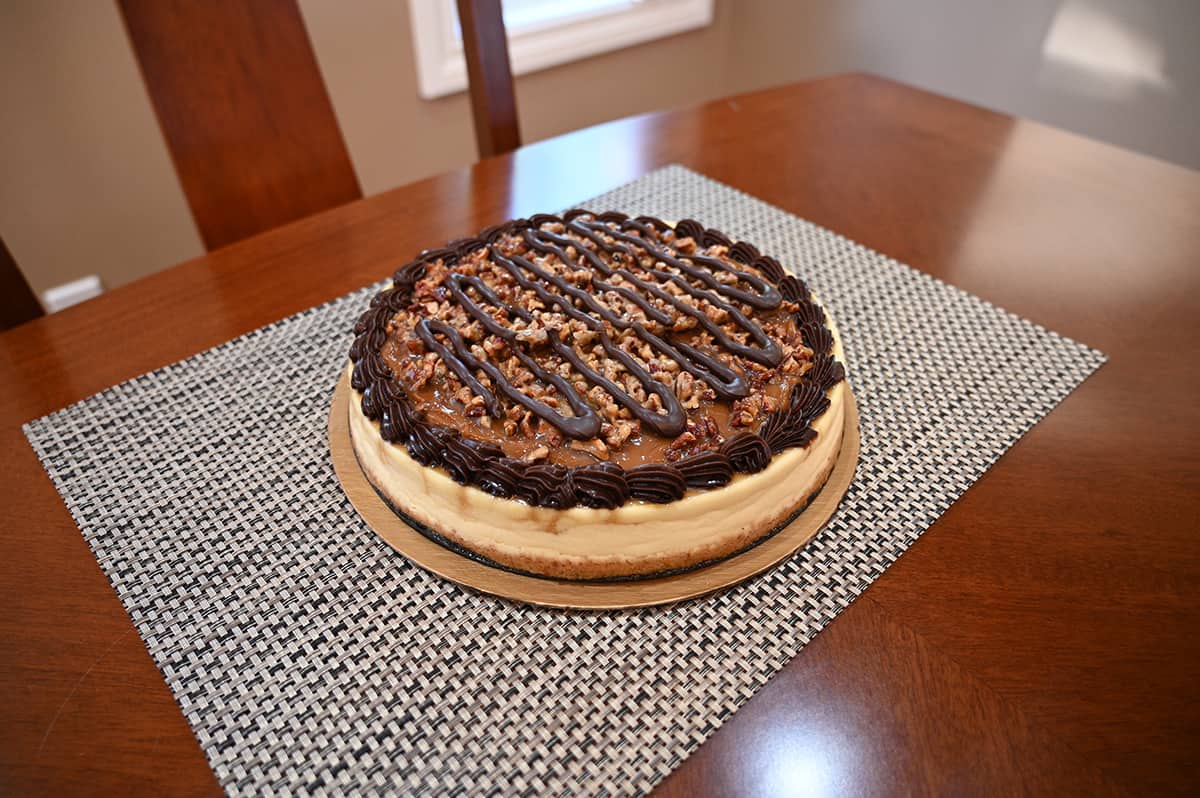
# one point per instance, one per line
(1041, 637)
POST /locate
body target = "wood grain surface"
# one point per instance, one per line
(244, 110)
(1039, 639)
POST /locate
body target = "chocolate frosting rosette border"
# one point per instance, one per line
(602, 485)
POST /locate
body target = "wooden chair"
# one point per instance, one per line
(493, 103)
(246, 115)
(249, 123)
(244, 111)
(19, 303)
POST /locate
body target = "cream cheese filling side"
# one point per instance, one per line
(511, 531)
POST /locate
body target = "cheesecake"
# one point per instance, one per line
(596, 396)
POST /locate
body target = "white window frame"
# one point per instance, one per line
(442, 68)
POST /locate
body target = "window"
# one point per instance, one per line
(545, 33)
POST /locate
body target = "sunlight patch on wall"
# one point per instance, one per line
(1089, 50)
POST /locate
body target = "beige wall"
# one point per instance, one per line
(88, 186)
(366, 57)
(1123, 72)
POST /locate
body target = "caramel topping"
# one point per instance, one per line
(532, 323)
(598, 343)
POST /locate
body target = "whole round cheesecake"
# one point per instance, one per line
(594, 396)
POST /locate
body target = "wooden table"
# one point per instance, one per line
(1043, 636)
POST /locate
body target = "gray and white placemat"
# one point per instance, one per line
(310, 658)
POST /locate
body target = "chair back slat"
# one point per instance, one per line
(18, 303)
(244, 111)
(493, 103)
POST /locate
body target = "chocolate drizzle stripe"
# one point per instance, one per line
(600, 485)
(669, 423)
(558, 246)
(585, 424)
(767, 352)
(726, 382)
(764, 297)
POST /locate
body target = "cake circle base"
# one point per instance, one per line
(548, 592)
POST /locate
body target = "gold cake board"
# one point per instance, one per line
(433, 556)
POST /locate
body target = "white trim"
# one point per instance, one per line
(442, 70)
(72, 293)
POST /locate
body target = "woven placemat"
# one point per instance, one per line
(310, 658)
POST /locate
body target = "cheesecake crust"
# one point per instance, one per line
(594, 397)
(636, 539)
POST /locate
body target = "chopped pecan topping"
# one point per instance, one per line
(541, 327)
